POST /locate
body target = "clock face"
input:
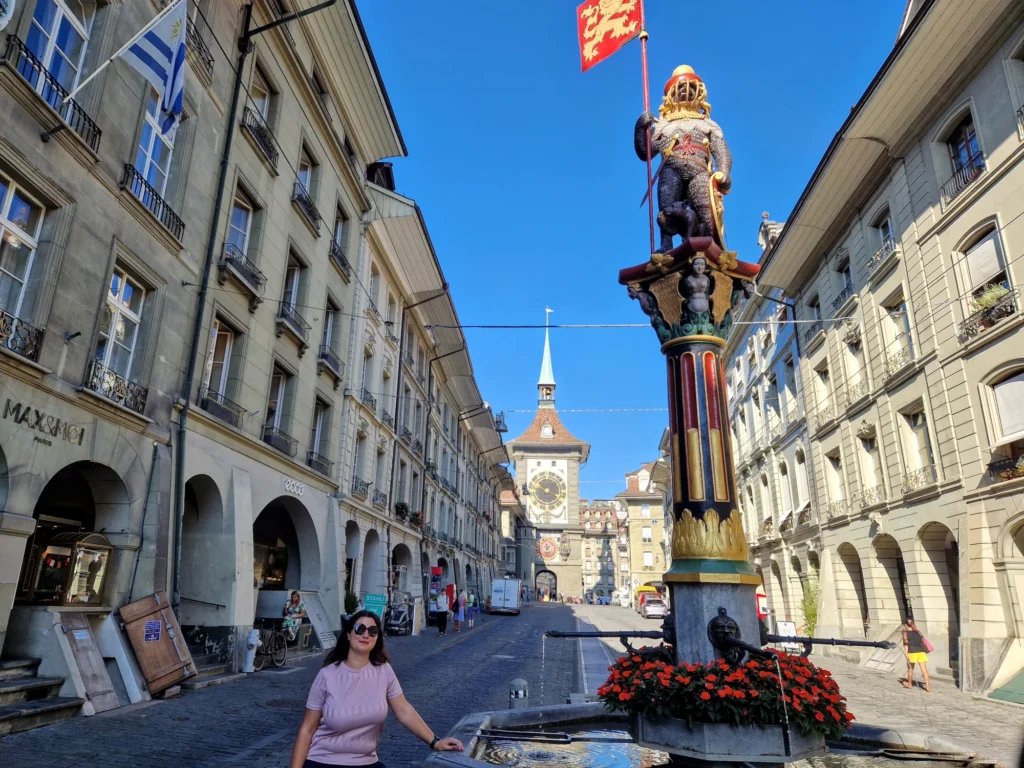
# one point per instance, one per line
(548, 491)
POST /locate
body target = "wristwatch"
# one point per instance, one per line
(434, 741)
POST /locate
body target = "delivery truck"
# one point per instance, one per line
(505, 596)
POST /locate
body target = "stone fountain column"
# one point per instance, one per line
(689, 294)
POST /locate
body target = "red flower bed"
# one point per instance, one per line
(720, 693)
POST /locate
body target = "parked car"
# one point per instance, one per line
(654, 608)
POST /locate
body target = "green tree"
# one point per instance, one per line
(351, 603)
(809, 601)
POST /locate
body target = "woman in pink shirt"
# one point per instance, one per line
(348, 703)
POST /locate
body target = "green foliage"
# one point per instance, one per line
(810, 601)
(351, 602)
(991, 296)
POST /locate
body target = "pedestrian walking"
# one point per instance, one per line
(442, 613)
(348, 703)
(471, 608)
(459, 609)
(916, 649)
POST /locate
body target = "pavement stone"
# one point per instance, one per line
(986, 728)
(252, 722)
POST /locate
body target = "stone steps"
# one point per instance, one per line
(26, 715)
(11, 669)
(199, 682)
(21, 689)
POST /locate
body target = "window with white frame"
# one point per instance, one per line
(785, 486)
(319, 438)
(645, 534)
(986, 275)
(648, 559)
(261, 94)
(917, 443)
(645, 510)
(332, 326)
(306, 170)
(814, 305)
(834, 475)
(21, 219)
(119, 325)
(1008, 399)
(870, 463)
(240, 223)
(885, 235)
(153, 158)
(766, 498)
(845, 275)
(279, 381)
(340, 229)
(292, 282)
(218, 357)
(803, 492)
(58, 35)
(895, 324)
(823, 385)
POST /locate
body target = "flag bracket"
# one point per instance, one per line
(45, 136)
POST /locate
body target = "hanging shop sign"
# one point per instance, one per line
(48, 426)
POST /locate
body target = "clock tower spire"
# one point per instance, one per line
(546, 382)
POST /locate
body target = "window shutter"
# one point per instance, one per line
(1010, 404)
(983, 261)
(648, 558)
(214, 327)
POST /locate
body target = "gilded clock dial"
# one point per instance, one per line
(547, 490)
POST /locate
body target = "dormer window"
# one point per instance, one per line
(547, 431)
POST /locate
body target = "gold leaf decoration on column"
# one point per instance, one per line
(709, 538)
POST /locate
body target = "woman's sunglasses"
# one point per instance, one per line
(362, 629)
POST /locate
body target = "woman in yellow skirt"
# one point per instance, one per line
(916, 653)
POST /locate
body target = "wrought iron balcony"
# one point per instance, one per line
(330, 360)
(290, 318)
(899, 355)
(216, 404)
(337, 254)
(871, 496)
(387, 419)
(767, 527)
(805, 516)
(134, 181)
(417, 447)
(261, 134)
(857, 390)
(820, 416)
(963, 178)
(19, 337)
(986, 317)
(318, 463)
(114, 386)
(1006, 469)
(841, 299)
(360, 487)
(368, 399)
(390, 335)
(919, 478)
(245, 269)
(279, 439)
(835, 509)
(380, 499)
(304, 202)
(198, 46)
(42, 81)
(812, 330)
(787, 525)
(883, 253)
(409, 362)
(374, 312)
(405, 433)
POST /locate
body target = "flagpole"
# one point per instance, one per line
(647, 108)
(123, 48)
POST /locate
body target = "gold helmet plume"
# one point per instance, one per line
(685, 96)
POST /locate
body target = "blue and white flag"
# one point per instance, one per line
(158, 54)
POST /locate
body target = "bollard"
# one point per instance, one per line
(251, 644)
(518, 694)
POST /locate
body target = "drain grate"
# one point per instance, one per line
(293, 704)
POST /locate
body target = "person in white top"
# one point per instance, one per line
(442, 612)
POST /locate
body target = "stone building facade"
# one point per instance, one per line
(649, 556)
(322, 408)
(601, 521)
(910, 344)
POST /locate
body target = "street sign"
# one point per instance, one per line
(636, 582)
(375, 603)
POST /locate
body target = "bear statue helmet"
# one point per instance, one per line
(685, 96)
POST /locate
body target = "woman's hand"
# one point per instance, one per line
(449, 745)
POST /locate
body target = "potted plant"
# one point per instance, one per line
(401, 510)
(416, 520)
(989, 304)
(1017, 470)
(351, 603)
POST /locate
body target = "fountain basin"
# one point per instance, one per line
(721, 743)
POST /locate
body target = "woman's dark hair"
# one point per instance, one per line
(339, 653)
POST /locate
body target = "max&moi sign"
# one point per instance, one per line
(33, 418)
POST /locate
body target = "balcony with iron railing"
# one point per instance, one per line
(787, 525)
(328, 359)
(360, 487)
(857, 390)
(113, 386)
(198, 47)
(389, 334)
(216, 404)
(898, 355)
(821, 416)
(318, 463)
(288, 318)
(834, 509)
(804, 518)
(1003, 470)
(19, 58)
(963, 178)
(368, 399)
(303, 201)
(338, 258)
(405, 433)
(19, 337)
(258, 130)
(841, 299)
(279, 439)
(134, 181)
(887, 249)
(234, 261)
(918, 479)
(984, 317)
(387, 419)
(417, 447)
(869, 497)
(811, 331)
(767, 528)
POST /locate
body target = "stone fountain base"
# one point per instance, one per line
(718, 744)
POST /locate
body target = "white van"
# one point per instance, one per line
(505, 596)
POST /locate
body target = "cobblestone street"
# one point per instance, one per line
(252, 722)
(992, 730)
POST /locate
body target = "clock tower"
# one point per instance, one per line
(547, 464)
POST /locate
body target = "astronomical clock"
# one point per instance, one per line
(547, 495)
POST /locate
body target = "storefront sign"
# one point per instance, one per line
(375, 603)
(294, 486)
(151, 631)
(33, 418)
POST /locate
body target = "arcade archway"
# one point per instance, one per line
(207, 557)
(286, 550)
(351, 554)
(401, 564)
(546, 586)
(369, 583)
(853, 605)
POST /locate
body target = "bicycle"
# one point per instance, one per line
(273, 644)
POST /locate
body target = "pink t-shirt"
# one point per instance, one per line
(354, 703)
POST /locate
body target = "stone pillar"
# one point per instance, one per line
(689, 293)
(14, 533)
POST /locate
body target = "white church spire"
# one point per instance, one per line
(546, 382)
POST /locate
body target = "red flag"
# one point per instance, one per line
(605, 26)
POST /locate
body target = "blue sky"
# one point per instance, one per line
(526, 175)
